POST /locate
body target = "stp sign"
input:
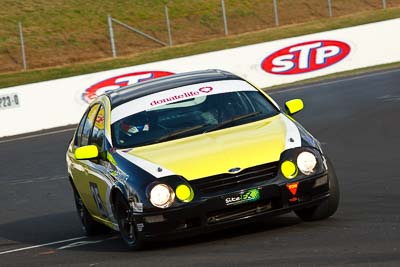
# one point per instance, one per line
(120, 81)
(306, 57)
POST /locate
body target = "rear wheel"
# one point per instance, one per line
(90, 226)
(329, 206)
(126, 224)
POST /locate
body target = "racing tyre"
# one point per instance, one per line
(90, 226)
(329, 206)
(126, 224)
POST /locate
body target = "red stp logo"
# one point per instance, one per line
(306, 57)
(120, 81)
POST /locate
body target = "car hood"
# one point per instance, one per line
(217, 152)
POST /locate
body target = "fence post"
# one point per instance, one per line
(330, 8)
(224, 17)
(126, 26)
(112, 41)
(168, 26)
(21, 38)
(384, 4)
(276, 13)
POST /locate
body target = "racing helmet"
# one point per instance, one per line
(134, 124)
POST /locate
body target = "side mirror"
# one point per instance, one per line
(87, 152)
(294, 106)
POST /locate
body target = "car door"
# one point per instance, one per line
(99, 180)
(82, 168)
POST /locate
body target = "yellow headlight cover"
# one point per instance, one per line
(289, 169)
(184, 193)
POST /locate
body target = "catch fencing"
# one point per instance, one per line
(221, 17)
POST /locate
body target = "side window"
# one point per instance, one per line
(78, 135)
(88, 125)
(97, 137)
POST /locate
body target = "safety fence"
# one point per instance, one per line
(169, 23)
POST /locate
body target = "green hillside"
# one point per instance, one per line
(60, 32)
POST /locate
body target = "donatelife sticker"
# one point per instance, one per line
(305, 57)
(183, 96)
(246, 196)
(117, 82)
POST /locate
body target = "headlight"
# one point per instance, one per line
(306, 162)
(162, 196)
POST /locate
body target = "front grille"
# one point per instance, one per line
(243, 211)
(236, 212)
(225, 181)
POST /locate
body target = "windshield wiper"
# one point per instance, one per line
(234, 119)
(180, 132)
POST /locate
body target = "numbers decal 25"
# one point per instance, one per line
(96, 195)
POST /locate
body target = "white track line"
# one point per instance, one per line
(84, 243)
(37, 135)
(272, 92)
(9, 180)
(37, 181)
(42, 245)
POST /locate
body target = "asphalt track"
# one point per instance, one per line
(356, 119)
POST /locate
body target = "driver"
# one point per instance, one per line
(134, 124)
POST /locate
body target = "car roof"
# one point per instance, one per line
(128, 93)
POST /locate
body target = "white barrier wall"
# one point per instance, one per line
(60, 102)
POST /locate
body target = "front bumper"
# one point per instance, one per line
(212, 213)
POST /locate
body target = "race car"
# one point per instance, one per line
(192, 153)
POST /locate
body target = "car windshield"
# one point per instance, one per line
(196, 114)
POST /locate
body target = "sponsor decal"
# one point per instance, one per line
(99, 122)
(206, 89)
(185, 95)
(140, 227)
(306, 57)
(137, 206)
(117, 82)
(242, 197)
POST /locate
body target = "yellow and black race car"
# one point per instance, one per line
(194, 152)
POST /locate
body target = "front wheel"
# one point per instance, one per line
(126, 224)
(329, 206)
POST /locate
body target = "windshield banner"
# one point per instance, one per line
(178, 94)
